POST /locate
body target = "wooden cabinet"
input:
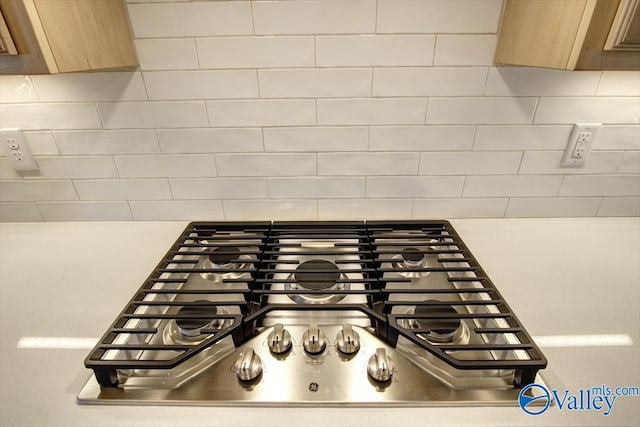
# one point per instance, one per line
(568, 34)
(58, 36)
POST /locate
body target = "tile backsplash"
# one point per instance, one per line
(318, 109)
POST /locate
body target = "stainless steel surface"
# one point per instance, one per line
(248, 365)
(347, 340)
(314, 340)
(303, 379)
(279, 339)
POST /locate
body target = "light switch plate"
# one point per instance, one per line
(16, 148)
(579, 146)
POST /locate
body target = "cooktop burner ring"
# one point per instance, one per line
(226, 258)
(412, 257)
(443, 331)
(322, 275)
(187, 331)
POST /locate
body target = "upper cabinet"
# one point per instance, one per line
(570, 34)
(59, 36)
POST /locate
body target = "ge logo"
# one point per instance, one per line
(529, 404)
(313, 387)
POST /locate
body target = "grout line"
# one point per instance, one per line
(195, 46)
(598, 84)
(206, 111)
(258, 84)
(37, 204)
(535, 111)
(253, 20)
(372, 77)
(130, 210)
(173, 197)
(473, 141)
(599, 206)
(520, 163)
(369, 137)
(435, 46)
(413, 204)
(375, 22)
(426, 111)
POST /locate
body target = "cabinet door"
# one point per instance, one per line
(87, 35)
(7, 46)
(625, 31)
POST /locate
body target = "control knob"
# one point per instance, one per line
(380, 366)
(314, 340)
(348, 340)
(248, 365)
(279, 340)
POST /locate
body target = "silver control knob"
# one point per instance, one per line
(314, 340)
(380, 366)
(248, 366)
(279, 339)
(348, 340)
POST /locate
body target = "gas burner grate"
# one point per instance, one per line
(237, 269)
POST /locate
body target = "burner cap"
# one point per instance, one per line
(192, 326)
(412, 255)
(442, 330)
(224, 254)
(317, 274)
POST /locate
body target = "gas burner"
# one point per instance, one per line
(188, 331)
(226, 259)
(411, 258)
(317, 275)
(443, 330)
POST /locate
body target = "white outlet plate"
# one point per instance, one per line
(580, 143)
(16, 148)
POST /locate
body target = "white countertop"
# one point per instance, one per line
(560, 276)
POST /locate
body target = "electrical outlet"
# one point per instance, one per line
(580, 143)
(17, 150)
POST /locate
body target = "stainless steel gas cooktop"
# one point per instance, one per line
(315, 313)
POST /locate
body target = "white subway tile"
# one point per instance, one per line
(525, 81)
(414, 186)
(7, 171)
(314, 16)
(122, 115)
(625, 137)
(588, 110)
(219, 188)
(520, 138)
(360, 163)
(315, 83)
(130, 141)
(19, 212)
(459, 208)
(371, 111)
(441, 81)
(209, 140)
(512, 186)
(374, 50)
(262, 112)
(85, 211)
(630, 162)
(601, 185)
(290, 209)
(167, 54)
(41, 143)
(553, 207)
(481, 110)
(177, 210)
(619, 83)
(28, 190)
(111, 86)
(470, 163)
(465, 49)
(317, 138)
(220, 84)
(166, 165)
(49, 116)
(256, 52)
(316, 187)
(267, 164)
(17, 89)
(75, 167)
(438, 16)
(123, 189)
(421, 138)
(620, 206)
(548, 162)
(364, 209)
(191, 19)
